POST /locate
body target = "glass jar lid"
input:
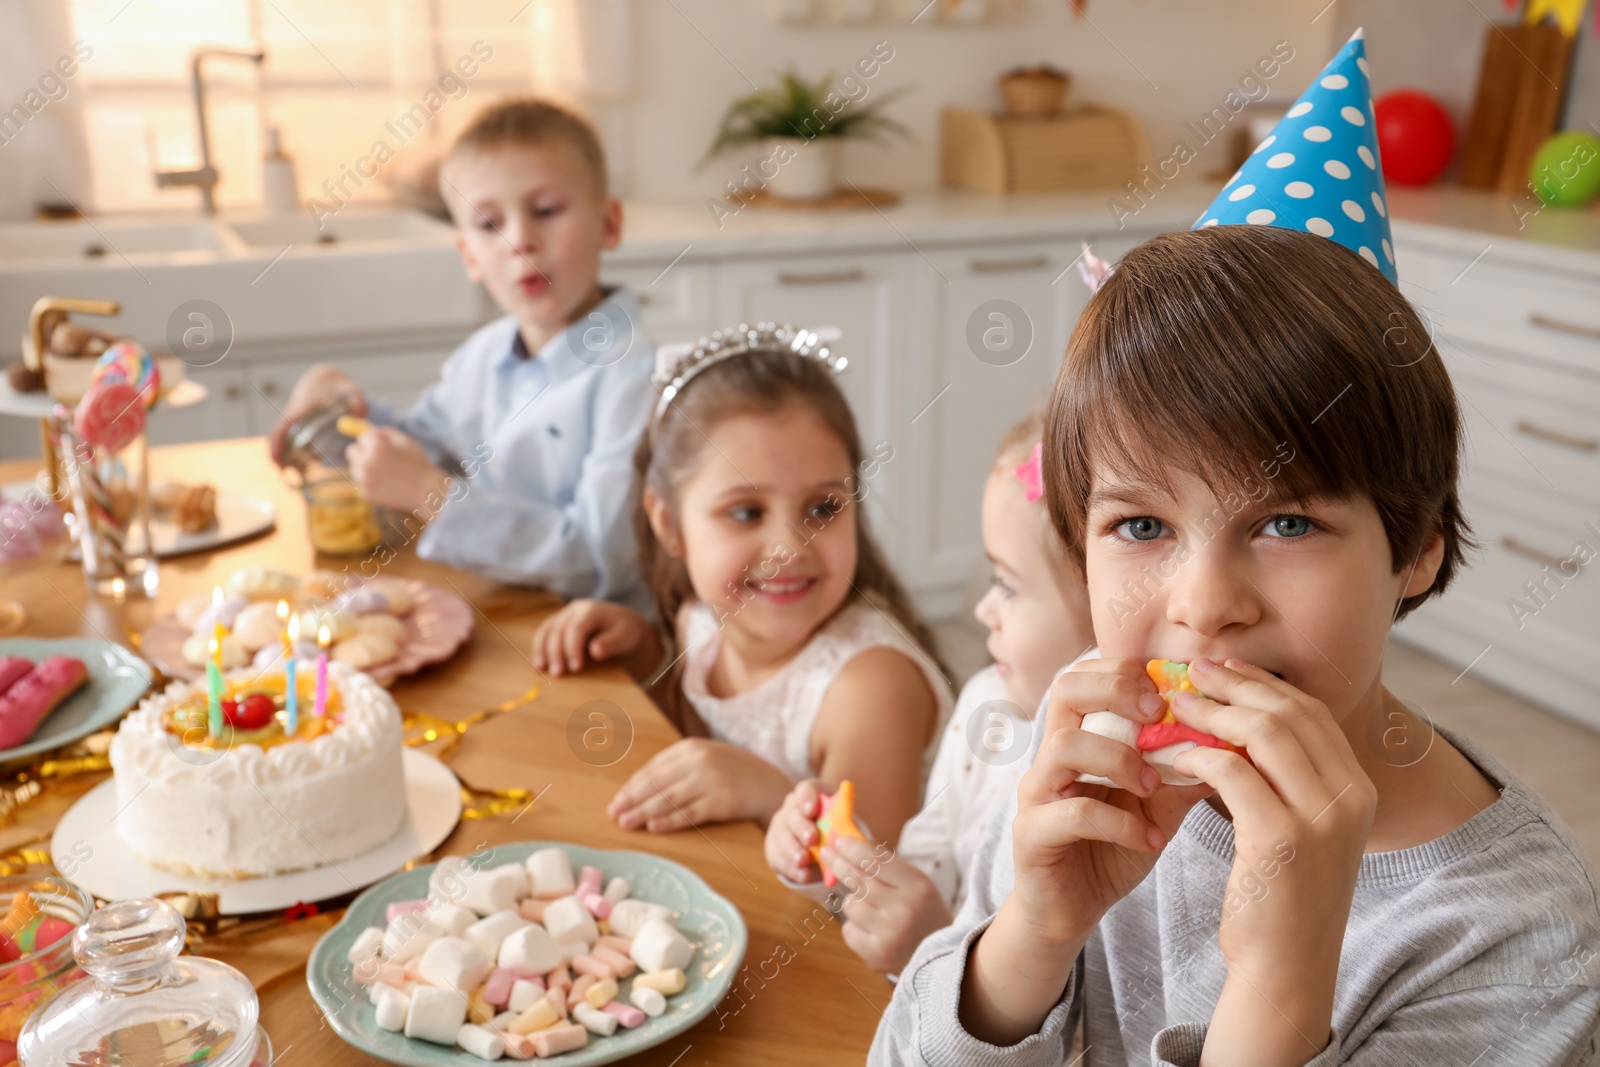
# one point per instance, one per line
(144, 1005)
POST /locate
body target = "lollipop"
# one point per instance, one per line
(128, 362)
(109, 416)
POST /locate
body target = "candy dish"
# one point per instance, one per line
(112, 871)
(117, 678)
(710, 922)
(238, 518)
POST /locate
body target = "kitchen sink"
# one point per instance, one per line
(351, 228)
(90, 241)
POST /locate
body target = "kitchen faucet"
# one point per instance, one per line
(204, 177)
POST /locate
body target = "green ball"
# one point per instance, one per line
(1566, 169)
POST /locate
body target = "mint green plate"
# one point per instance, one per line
(707, 919)
(117, 679)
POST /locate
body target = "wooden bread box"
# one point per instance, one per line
(1085, 148)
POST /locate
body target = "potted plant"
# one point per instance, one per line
(801, 125)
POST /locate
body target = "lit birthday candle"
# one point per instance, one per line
(218, 631)
(291, 682)
(214, 688)
(320, 708)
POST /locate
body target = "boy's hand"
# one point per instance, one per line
(1302, 808)
(393, 471)
(589, 631)
(698, 781)
(793, 830)
(316, 387)
(1079, 848)
(891, 904)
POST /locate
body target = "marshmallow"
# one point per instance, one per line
(408, 936)
(389, 974)
(601, 993)
(600, 1023)
(446, 878)
(518, 1046)
(620, 963)
(452, 919)
(479, 1011)
(589, 879)
(366, 945)
(615, 944)
(392, 1008)
(454, 963)
(627, 1015)
(628, 915)
(594, 966)
(531, 909)
(580, 986)
(398, 908)
(436, 1014)
(559, 1039)
(617, 889)
(557, 996)
(497, 990)
(650, 1001)
(491, 932)
(494, 889)
(375, 994)
(540, 1014)
(573, 951)
(667, 983)
(558, 978)
(501, 1021)
(524, 992)
(482, 1043)
(569, 922)
(530, 948)
(658, 946)
(550, 873)
(598, 905)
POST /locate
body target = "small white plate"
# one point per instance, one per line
(185, 394)
(238, 517)
(112, 872)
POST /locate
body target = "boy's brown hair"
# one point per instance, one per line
(531, 121)
(1224, 349)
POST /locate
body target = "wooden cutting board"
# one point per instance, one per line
(1521, 87)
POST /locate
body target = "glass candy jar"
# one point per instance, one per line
(145, 1005)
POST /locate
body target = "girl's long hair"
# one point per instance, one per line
(756, 383)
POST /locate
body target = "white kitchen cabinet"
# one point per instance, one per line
(225, 412)
(1522, 344)
(675, 296)
(992, 323)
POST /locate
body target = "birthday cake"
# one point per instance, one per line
(251, 798)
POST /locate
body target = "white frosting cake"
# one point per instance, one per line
(245, 810)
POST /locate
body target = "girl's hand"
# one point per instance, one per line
(1301, 815)
(589, 631)
(316, 387)
(891, 904)
(393, 471)
(793, 830)
(697, 781)
(1079, 848)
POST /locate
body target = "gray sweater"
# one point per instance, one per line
(1481, 947)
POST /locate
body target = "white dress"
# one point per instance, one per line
(974, 773)
(774, 719)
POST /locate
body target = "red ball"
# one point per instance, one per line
(1415, 137)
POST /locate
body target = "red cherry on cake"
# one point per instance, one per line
(254, 712)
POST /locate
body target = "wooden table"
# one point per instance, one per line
(800, 997)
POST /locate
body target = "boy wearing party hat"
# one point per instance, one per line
(1240, 433)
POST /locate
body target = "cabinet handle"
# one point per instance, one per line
(644, 299)
(1556, 437)
(821, 277)
(1007, 266)
(232, 392)
(269, 388)
(1546, 322)
(1515, 547)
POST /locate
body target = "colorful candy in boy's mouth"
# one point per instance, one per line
(1160, 741)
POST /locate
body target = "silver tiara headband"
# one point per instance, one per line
(678, 364)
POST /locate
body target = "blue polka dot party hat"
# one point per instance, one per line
(1319, 170)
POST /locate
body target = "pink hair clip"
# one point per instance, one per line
(1092, 269)
(1031, 473)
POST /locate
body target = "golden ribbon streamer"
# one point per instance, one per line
(476, 803)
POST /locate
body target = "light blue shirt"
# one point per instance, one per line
(543, 452)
